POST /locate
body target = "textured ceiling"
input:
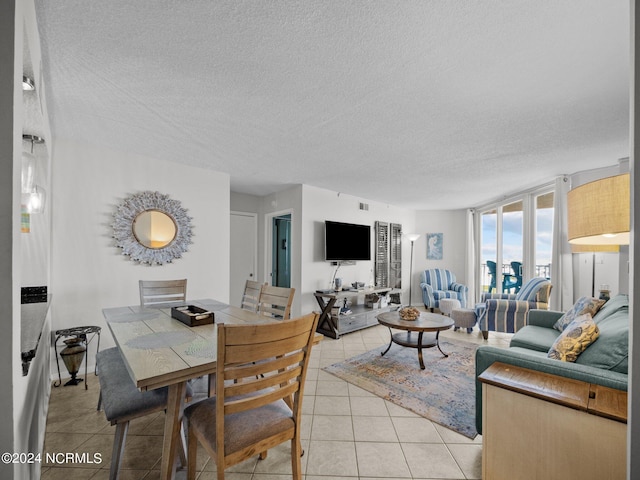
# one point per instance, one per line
(421, 104)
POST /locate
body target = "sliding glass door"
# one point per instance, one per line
(489, 251)
(515, 239)
(512, 246)
(544, 234)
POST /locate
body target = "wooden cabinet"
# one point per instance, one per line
(334, 324)
(540, 426)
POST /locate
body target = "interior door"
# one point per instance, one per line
(281, 255)
(243, 252)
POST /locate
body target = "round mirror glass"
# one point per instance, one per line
(154, 229)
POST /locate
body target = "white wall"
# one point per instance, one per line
(26, 397)
(10, 126)
(309, 208)
(606, 273)
(286, 201)
(319, 205)
(88, 270)
(452, 224)
(242, 202)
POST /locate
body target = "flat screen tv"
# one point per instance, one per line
(346, 241)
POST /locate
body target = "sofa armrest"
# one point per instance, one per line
(426, 287)
(458, 287)
(497, 296)
(487, 355)
(543, 318)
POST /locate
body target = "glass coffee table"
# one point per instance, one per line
(414, 332)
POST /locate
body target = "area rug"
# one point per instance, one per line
(444, 392)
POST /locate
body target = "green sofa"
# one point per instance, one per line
(604, 362)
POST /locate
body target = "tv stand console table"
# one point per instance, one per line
(360, 317)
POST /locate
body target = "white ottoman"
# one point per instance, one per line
(463, 318)
(446, 305)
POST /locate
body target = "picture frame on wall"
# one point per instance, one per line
(434, 246)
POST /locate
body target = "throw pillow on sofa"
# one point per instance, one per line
(584, 305)
(578, 335)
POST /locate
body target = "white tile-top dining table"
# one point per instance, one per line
(160, 351)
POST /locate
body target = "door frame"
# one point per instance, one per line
(268, 241)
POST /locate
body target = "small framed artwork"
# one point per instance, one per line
(25, 220)
(434, 246)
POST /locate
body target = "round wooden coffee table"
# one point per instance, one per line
(414, 334)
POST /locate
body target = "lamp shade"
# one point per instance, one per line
(599, 212)
(34, 201)
(28, 171)
(412, 237)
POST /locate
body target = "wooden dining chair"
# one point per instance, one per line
(251, 295)
(276, 301)
(260, 374)
(153, 292)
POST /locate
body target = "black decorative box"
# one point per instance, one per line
(191, 315)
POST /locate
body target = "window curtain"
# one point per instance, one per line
(561, 259)
(470, 266)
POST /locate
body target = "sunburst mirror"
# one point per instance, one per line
(151, 228)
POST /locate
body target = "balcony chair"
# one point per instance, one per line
(508, 281)
(517, 276)
(507, 312)
(260, 375)
(492, 275)
(439, 283)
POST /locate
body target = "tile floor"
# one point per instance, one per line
(347, 433)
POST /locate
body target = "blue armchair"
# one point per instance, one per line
(507, 312)
(439, 283)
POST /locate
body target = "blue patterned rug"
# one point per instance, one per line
(444, 392)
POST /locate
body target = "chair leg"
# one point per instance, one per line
(183, 444)
(485, 334)
(99, 401)
(118, 449)
(296, 453)
(211, 384)
(192, 453)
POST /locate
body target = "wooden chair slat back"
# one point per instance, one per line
(281, 361)
(262, 351)
(264, 398)
(251, 295)
(162, 291)
(276, 301)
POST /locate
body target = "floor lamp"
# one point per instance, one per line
(412, 237)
